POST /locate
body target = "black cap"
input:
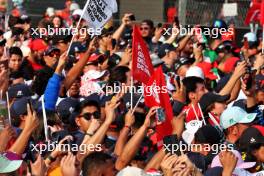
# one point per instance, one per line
(93, 97)
(51, 49)
(77, 47)
(66, 107)
(19, 107)
(208, 135)
(251, 136)
(19, 90)
(209, 98)
(61, 39)
(164, 49)
(182, 61)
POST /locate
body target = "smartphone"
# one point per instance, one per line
(30, 105)
(170, 141)
(176, 21)
(113, 43)
(160, 115)
(245, 42)
(132, 17)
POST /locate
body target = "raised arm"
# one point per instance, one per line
(239, 71)
(133, 144)
(76, 70)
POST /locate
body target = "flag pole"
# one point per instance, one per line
(137, 103)
(131, 93)
(78, 24)
(44, 118)
(8, 108)
(262, 50)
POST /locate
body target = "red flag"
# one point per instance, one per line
(142, 68)
(253, 14)
(262, 13)
(156, 94)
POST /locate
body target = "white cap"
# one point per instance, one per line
(50, 11)
(74, 6)
(251, 37)
(191, 128)
(94, 74)
(77, 12)
(195, 71)
(131, 171)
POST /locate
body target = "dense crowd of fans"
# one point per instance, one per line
(216, 90)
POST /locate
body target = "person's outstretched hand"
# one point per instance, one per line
(70, 165)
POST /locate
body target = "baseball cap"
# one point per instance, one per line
(209, 98)
(19, 90)
(252, 39)
(7, 165)
(93, 97)
(182, 61)
(77, 47)
(240, 163)
(38, 45)
(191, 128)
(19, 107)
(251, 136)
(94, 58)
(195, 71)
(51, 49)
(131, 171)
(61, 39)
(164, 49)
(234, 115)
(208, 135)
(66, 107)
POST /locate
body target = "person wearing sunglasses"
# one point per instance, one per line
(51, 56)
(87, 111)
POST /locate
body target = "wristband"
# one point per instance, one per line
(51, 158)
(126, 126)
(89, 134)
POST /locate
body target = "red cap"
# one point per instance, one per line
(38, 45)
(260, 128)
(94, 57)
(206, 67)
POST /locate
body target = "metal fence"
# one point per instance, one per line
(190, 11)
(205, 11)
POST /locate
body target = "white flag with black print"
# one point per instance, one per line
(98, 12)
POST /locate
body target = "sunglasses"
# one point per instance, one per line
(55, 53)
(88, 115)
(144, 28)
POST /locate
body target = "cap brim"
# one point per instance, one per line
(223, 98)
(246, 165)
(248, 118)
(12, 166)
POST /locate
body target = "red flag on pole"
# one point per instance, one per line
(253, 14)
(156, 94)
(142, 67)
(262, 13)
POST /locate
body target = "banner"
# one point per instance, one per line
(142, 67)
(156, 94)
(98, 12)
(253, 14)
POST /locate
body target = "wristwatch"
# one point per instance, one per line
(89, 134)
